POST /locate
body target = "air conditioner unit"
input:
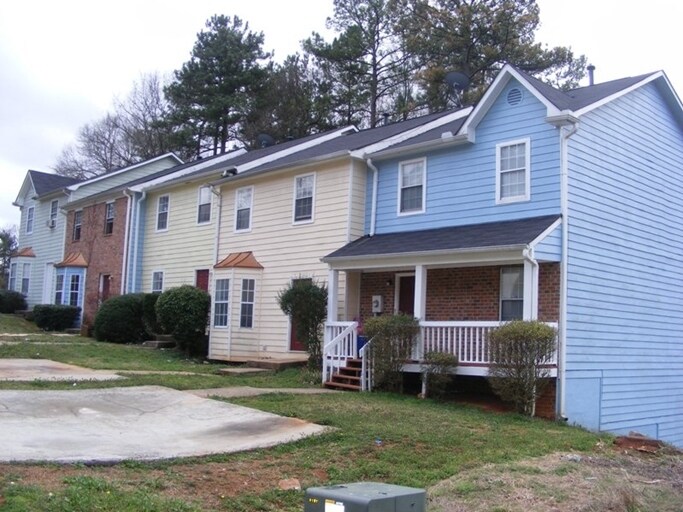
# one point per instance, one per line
(365, 497)
(51, 223)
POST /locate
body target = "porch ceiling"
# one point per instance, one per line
(473, 237)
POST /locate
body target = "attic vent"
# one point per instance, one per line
(514, 97)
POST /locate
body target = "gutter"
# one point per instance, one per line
(126, 241)
(375, 181)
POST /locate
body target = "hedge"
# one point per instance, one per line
(55, 317)
(11, 301)
(120, 319)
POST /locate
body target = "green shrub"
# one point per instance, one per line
(119, 320)
(55, 317)
(519, 350)
(438, 368)
(11, 301)
(305, 302)
(392, 343)
(149, 313)
(184, 312)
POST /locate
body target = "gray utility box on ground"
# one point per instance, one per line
(365, 497)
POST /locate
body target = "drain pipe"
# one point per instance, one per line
(528, 255)
(565, 134)
(219, 197)
(375, 181)
(126, 240)
(137, 242)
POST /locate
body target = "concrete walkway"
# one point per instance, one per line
(246, 391)
(45, 369)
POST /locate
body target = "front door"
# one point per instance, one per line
(202, 280)
(406, 295)
(294, 342)
(105, 286)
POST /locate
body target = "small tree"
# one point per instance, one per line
(392, 343)
(438, 369)
(520, 349)
(305, 302)
(183, 312)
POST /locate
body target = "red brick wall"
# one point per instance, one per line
(545, 404)
(465, 293)
(104, 253)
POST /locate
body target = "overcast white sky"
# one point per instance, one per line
(62, 62)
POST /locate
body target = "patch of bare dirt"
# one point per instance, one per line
(609, 481)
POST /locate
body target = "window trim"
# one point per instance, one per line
(79, 225)
(167, 212)
(214, 302)
(30, 217)
(400, 187)
(527, 171)
(520, 268)
(312, 219)
(109, 221)
(251, 207)
(244, 302)
(199, 204)
(154, 272)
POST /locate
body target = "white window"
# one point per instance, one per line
(29, 220)
(54, 206)
(512, 171)
(59, 289)
(412, 187)
(157, 282)
(74, 289)
(13, 277)
(78, 223)
(162, 213)
(221, 301)
(204, 205)
(247, 307)
(304, 187)
(511, 293)
(25, 278)
(243, 202)
(109, 213)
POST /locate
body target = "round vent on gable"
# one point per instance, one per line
(514, 96)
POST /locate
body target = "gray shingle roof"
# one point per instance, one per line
(471, 236)
(44, 182)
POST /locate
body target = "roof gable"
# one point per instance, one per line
(40, 184)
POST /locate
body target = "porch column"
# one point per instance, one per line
(420, 303)
(332, 295)
(530, 290)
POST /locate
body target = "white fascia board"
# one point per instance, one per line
(442, 142)
(76, 186)
(409, 134)
(492, 93)
(545, 233)
(623, 92)
(28, 182)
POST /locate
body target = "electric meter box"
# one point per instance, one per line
(365, 497)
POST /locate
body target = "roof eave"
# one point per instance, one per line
(442, 142)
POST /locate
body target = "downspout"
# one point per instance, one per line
(528, 255)
(126, 241)
(373, 211)
(137, 241)
(217, 192)
(565, 134)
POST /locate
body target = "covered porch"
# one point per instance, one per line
(461, 284)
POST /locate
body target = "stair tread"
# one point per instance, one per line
(351, 387)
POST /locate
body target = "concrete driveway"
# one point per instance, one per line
(141, 423)
(45, 369)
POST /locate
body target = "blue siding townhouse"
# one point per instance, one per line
(564, 207)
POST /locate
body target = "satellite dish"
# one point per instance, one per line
(457, 80)
(263, 140)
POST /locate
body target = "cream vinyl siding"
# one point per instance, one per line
(286, 251)
(185, 246)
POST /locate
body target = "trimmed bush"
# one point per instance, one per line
(519, 350)
(11, 301)
(55, 317)
(392, 339)
(149, 313)
(438, 368)
(119, 320)
(184, 313)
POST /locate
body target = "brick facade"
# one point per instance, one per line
(103, 252)
(463, 294)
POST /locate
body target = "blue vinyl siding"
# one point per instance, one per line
(461, 180)
(550, 248)
(625, 269)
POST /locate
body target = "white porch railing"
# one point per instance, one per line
(340, 345)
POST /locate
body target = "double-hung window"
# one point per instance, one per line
(162, 213)
(243, 201)
(412, 187)
(25, 278)
(511, 293)
(204, 205)
(109, 218)
(59, 288)
(74, 289)
(78, 225)
(304, 189)
(29, 220)
(221, 301)
(13, 276)
(247, 307)
(54, 206)
(513, 171)
(157, 282)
